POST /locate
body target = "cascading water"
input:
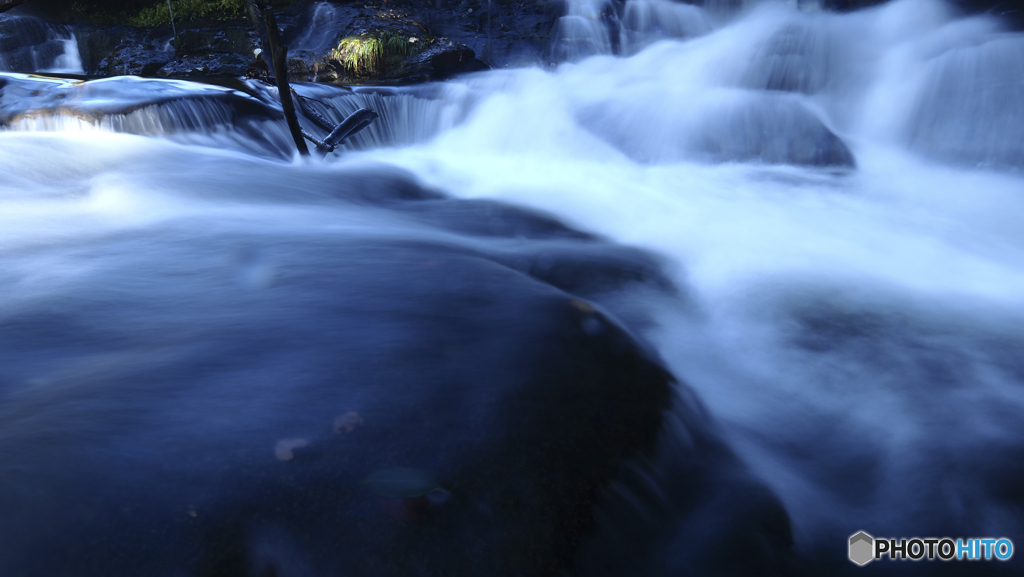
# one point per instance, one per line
(836, 199)
(594, 27)
(31, 45)
(857, 331)
(582, 32)
(320, 32)
(646, 21)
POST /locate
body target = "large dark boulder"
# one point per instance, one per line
(207, 398)
(215, 402)
(341, 372)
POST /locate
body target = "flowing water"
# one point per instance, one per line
(32, 45)
(837, 197)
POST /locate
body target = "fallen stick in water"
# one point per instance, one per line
(352, 124)
(278, 55)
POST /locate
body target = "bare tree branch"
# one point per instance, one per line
(266, 24)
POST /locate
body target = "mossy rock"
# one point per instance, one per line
(375, 53)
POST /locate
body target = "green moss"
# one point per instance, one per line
(189, 11)
(375, 53)
(195, 10)
(142, 12)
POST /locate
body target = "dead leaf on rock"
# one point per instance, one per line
(349, 421)
(582, 306)
(284, 447)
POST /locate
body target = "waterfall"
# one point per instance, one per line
(830, 204)
(582, 31)
(594, 27)
(29, 44)
(321, 32)
(407, 115)
(180, 111)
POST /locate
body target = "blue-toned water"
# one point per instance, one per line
(837, 200)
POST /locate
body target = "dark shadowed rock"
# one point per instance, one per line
(124, 50)
(423, 386)
(215, 52)
(6, 5)
(691, 509)
(178, 414)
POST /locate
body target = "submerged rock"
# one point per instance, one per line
(777, 131)
(797, 58)
(968, 110)
(727, 127)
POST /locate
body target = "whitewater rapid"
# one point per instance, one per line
(854, 327)
(857, 331)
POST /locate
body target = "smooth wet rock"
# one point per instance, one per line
(690, 509)
(164, 418)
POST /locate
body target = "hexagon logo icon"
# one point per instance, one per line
(861, 546)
